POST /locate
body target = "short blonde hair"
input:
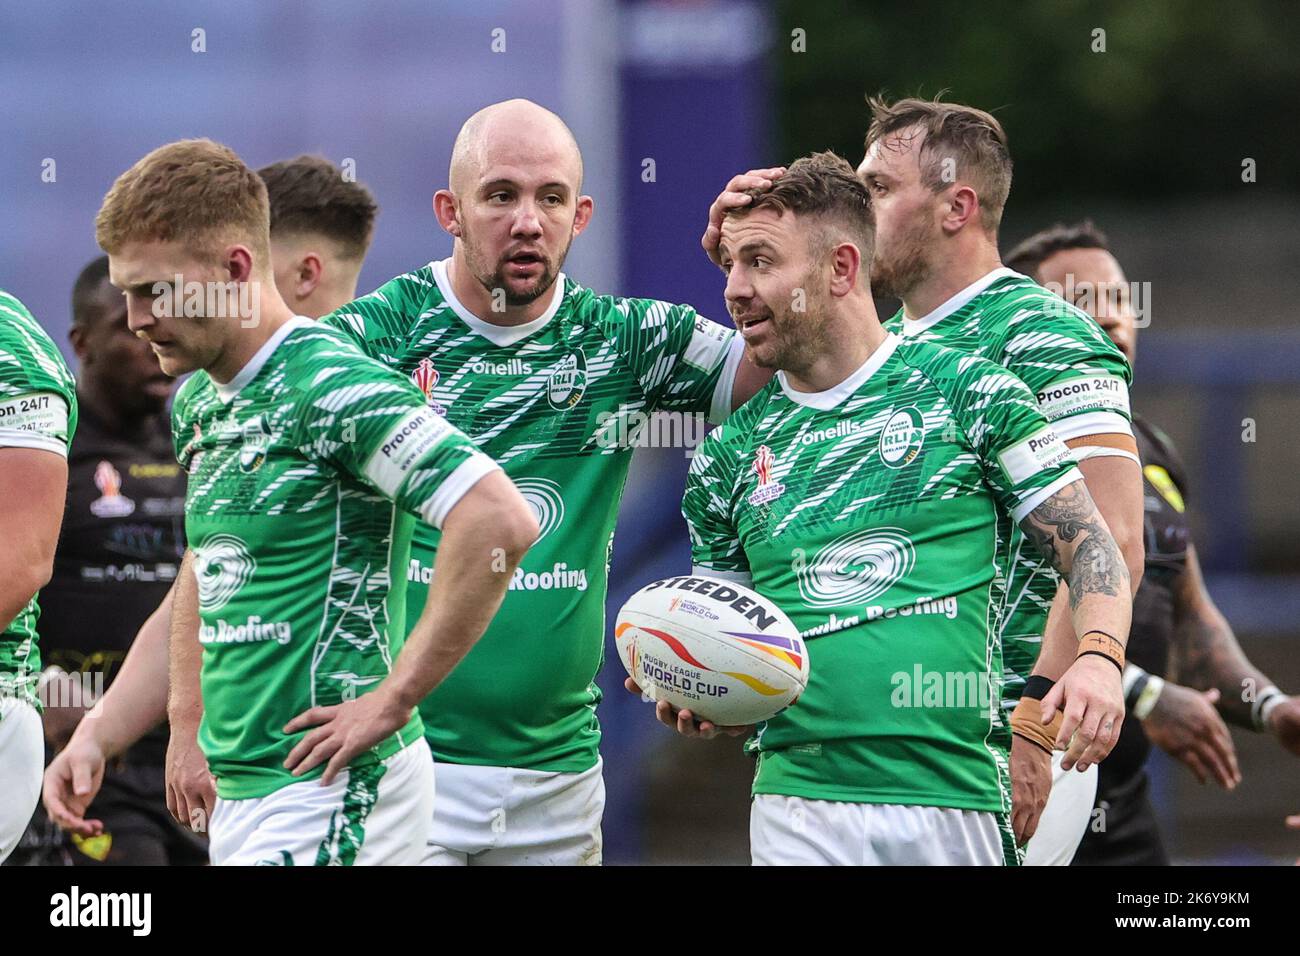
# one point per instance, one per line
(192, 191)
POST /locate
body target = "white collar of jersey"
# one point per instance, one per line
(916, 326)
(254, 365)
(825, 401)
(499, 335)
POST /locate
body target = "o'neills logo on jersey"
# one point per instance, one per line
(513, 367)
(902, 437)
(841, 430)
(257, 438)
(855, 568)
(251, 630)
(568, 380)
(111, 503)
(767, 490)
(425, 377)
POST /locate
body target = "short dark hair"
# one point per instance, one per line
(84, 308)
(973, 137)
(826, 187)
(1028, 256)
(309, 194)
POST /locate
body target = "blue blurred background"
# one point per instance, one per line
(1147, 138)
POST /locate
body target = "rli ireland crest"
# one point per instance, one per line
(257, 438)
(568, 380)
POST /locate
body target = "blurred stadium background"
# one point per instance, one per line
(1147, 138)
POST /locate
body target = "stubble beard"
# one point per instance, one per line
(495, 278)
(800, 338)
(904, 265)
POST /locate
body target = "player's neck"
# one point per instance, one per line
(951, 274)
(848, 346)
(325, 300)
(244, 342)
(478, 300)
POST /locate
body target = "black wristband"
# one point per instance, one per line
(1118, 666)
(1037, 687)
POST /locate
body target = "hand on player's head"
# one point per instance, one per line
(735, 195)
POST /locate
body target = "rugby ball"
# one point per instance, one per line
(717, 648)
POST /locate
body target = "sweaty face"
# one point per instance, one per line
(174, 321)
(776, 289)
(124, 366)
(907, 214)
(1093, 280)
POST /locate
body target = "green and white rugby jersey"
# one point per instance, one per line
(294, 468)
(38, 409)
(552, 401)
(1081, 382)
(873, 514)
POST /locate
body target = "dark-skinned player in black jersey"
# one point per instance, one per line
(1186, 673)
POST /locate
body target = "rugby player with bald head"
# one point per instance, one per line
(545, 376)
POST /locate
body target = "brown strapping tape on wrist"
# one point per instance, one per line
(1026, 722)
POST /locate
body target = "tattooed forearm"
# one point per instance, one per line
(1070, 532)
(1097, 568)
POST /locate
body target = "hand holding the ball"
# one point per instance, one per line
(684, 722)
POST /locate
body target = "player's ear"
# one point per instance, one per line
(845, 262)
(963, 206)
(308, 274)
(237, 262)
(582, 216)
(80, 347)
(444, 207)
